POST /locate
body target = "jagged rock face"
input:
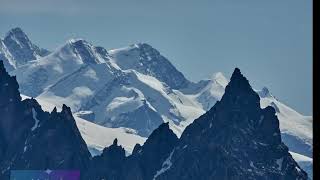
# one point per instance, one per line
(141, 165)
(149, 158)
(155, 64)
(87, 52)
(147, 60)
(33, 139)
(10, 107)
(236, 139)
(16, 49)
(107, 165)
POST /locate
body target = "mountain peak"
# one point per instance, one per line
(84, 50)
(142, 45)
(162, 134)
(264, 92)
(238, 82)
(147, 60)
(115, 142)
(77, 41)
(239, 93)
(220, 78)
(17, 36)
(236, 74)
(17, 31)
(18, 49)
(234, 131)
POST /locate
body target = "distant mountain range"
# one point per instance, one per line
(130, 92)
(235, 139)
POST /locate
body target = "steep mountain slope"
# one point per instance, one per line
(16, 49)
(235, 139)
(145, 59)
(137, 88)
(74, 58)
(248, 147)
(98, 137)
(97, 84)
(296, 129)
(141, 165)
(26, 132)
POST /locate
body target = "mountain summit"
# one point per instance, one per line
(145, 59)
(235, 139)
(137, 88)
(16, 49)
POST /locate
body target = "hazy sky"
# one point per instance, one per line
(269, 40)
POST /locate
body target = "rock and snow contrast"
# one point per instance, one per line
(236, 138)
(31, 138)
(16, 49)
(128, 92)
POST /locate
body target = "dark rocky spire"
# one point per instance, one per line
(235, 139)
(26, 132)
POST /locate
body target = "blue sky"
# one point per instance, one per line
(270, 40)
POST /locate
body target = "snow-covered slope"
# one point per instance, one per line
(145, 59)
(16, 49)
(137, 88)
(74, 58)
(304, 162)
(123, 88)
(98, 137)
(296, 129)
(140, 95)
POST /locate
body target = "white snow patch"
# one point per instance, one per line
(98, 137)
(300, 158)
(279, 162)
(252, 165)
(165, 166)
(36, 123)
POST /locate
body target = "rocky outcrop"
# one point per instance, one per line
(142, 164)
(33, 139)
(235, 139)
(16, 49)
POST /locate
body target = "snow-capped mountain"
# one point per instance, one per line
(91, 80)
(136, 87)
(16, 49)
(236, 138)
(145, 59)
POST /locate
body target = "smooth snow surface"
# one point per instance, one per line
(98, 137)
